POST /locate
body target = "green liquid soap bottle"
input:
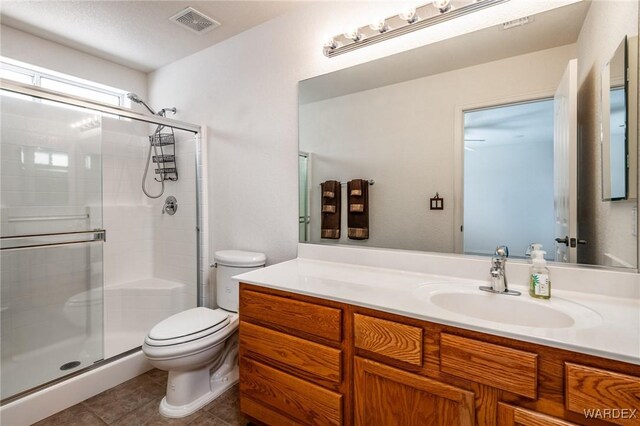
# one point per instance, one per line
(539, 282)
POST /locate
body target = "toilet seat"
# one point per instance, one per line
(188, 326)
(190, 348)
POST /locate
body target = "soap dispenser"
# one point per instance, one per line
(533, 247)
(539, 282)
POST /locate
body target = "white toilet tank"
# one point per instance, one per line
(230, 263)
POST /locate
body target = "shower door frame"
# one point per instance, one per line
(51, 95)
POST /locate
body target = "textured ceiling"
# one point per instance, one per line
(137, 34)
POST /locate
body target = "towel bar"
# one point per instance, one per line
(371, 182)
(47, 218)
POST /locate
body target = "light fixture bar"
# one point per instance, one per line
(335, 47)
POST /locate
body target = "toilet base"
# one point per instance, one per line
(219, 384)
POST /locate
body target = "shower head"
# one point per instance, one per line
(135, 98)
(163, 111)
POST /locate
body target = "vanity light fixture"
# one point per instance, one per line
(410, 19)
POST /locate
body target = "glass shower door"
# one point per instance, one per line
(51, 235)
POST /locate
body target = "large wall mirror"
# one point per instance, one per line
(507, 135)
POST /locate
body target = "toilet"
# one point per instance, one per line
(199, 347)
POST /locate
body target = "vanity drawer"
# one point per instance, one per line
(500, 367)
(588, 388)
(509, 415)
(316, 320)
(303, 401)
(389, 338)
(309, 358)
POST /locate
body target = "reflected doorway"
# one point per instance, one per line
(509, 178)
(304, 217)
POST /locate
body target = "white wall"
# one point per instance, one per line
(607, 226)
(245, 91)
(24, 47)
(403, 140)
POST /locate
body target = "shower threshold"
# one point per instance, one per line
(36, 404)
(85, 366)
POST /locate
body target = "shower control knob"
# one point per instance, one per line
(170, 206)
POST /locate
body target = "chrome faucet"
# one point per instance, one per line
(499, 273)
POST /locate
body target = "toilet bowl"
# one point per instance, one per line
(189, 345)
(199, 346)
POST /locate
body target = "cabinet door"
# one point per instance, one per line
(508, 415)
(387, 396)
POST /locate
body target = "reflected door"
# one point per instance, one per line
(51, 242)
(565, 164)
(303, 196)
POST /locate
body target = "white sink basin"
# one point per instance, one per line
(468, 301)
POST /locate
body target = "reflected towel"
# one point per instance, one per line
(330, 210)
(358, 211)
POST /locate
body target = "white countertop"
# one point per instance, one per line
(614, 334)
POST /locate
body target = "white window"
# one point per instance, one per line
(27, 74)
(10, 74)
(48, 158)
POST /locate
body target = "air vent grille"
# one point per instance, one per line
(517, 23)
(194, 21)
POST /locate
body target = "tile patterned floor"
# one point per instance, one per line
(136, 401)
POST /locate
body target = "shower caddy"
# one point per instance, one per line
(165, 160)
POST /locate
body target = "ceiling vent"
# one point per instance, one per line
(194, 21)
(517, 22)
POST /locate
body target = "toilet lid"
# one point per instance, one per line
(195, 323)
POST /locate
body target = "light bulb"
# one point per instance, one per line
(409, 14)
(380, 25)
(442, 5)
(330, 45)
(354, 34)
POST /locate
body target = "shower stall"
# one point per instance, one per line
(88, 263)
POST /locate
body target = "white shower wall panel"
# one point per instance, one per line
(124, 150)
(150, 266)
(175, 252)
(133, 308)
(128, 254)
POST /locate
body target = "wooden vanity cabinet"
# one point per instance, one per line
(509, 415)
(294, 360)
(389, 396)
(306, 360)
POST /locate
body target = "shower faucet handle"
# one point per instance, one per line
(170, 205)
